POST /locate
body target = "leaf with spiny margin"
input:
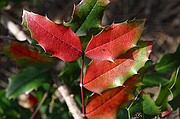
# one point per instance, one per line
(169, 61)
(106, 105)
(27, 80)
(114, 40)
(23, 54)
(87, 17)
(102, 75)
(57, 39)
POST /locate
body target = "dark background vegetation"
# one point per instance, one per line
(162, 22)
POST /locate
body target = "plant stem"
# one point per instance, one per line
(40, 104)
(81, 86)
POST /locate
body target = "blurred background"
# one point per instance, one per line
(162, 22)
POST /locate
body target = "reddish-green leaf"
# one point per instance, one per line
(102, 75)
(56, 39)
(106, 105)
(115, 40)
(24, 55)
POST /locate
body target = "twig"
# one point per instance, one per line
(81, 87)
(40, 104)
(70, 102)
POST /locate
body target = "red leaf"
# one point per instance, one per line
(102, 75)
(24, 55)
(56, 39)
(115, 40)
(106, 105)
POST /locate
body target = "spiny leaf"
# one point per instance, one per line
(23, 54)
(102, 75)
(106, 105)
(169, 61)
(87, 16)
(115, 40)
(30, 78)
(56, 39)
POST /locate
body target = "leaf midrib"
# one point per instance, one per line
(108, 70)
(83, 22)
(112, 40)
(107, 100)
(76, 49)
(25, 82)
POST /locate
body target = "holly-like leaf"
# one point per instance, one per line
(57, 39)
(102, 75)
(106, 105)
(87, 16)
(115, 40)
(24, 55)
(169, 62)
(27, 80)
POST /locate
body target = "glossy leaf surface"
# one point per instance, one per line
(23, 54)
(58, 40)
(169, 62)
(106, 105)
(115, 40)
(27, 80)
(102, 75)
(150, 80)
(87, 16)
(149, 106)
(166, 90)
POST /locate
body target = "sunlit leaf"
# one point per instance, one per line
(106, 105)
(58, 40)
(102, 75)
(87, 16)
(115, 40)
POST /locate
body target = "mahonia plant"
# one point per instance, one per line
(116, 53)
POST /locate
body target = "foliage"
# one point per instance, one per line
(114, 59)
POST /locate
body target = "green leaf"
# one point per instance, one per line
(176, 88)
(175, 103)
(149, 106)
(3, 3)
(166, 90)
(150, 80)
(143, 107)
(87, 16)
(27, 80)
(169, 62)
